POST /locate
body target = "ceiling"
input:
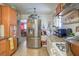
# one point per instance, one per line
(41, 8)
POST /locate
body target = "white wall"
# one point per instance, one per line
(72, 26)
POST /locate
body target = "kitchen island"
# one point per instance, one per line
(74, 45)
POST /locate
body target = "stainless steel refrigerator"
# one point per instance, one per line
(34, 33)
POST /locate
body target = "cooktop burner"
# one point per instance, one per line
(61, 46)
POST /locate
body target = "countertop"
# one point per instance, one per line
(54, 38)
(75, 42)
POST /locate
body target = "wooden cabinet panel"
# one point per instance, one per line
(10, 51)
(75, 49)
(8, 18)
(5, 20)
(3, 54)
(59, 8)
(13, 17)
(71, 17)
(15, 43)
(3, 47)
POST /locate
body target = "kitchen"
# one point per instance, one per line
(67, 29)
(56, 32)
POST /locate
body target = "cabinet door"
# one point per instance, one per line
(12, 45)
(13, 21)
(5, 20)
(3, 49)
(75, 49)
(13, 17)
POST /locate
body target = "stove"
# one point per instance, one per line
(59, 48)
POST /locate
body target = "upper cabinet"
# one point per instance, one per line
(71, 17)
(59, 8)
(8, 19)
(13, 17)
(5, 20)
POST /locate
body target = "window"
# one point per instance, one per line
(57, 22)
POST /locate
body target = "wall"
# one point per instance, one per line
(72, 26)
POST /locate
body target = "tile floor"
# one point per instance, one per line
(24, 51)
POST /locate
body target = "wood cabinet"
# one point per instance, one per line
(13, 21)
(12, 50)
(74, 49)
(5, 20)
(59, 8)
(8, 20)
(3, 47)
(13, 17)
(71, 17)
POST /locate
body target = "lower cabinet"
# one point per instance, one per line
(8, 47)
(3, 47)
(75, 49)
(12, 42)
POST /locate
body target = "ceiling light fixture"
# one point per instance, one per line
(34, 15)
